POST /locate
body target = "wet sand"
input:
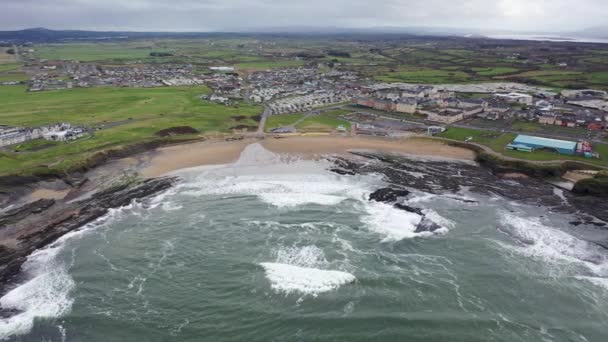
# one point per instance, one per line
(168, 159)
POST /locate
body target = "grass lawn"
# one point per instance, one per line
(277, 121)
(130, 115)
(497, 142)
(321, 123)
(337, 112)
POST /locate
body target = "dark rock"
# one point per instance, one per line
(14, 215)
(409, 209)
(32, 233)
(342, 172)
(387, 195)
(8, 313)
(427, 225)
(344, 167)
(576, 223)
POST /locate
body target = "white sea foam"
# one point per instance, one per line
(440, 220)
(305, 256)
(278, 182)
(287, 279)
(47, 292)
(554, 245)
(295, 199)
(394, 224)
(46, 295)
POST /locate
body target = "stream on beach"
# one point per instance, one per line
(274, 248)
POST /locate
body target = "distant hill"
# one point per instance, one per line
(39, 35)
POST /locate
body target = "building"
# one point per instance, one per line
(517, 98)
(408, 106)
(388, 106)
(547, 119)
(528, 143)
(222, 68)
(16, 135)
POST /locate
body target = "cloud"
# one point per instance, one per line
(203, 15)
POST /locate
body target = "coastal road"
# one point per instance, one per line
(263, 120)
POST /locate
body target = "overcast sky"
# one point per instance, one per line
(222, 15)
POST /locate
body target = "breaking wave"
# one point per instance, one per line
(553, 245)
(46, 293)
(301, 270)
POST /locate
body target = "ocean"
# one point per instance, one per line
(273, 248)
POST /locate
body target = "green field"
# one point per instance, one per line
(277, 121)
(263, 65)
(497, 142)
(10, 67)
(425, 76)
(126, 115)
(97, 52)
(495, 71)
(321, 123)
(325, 122)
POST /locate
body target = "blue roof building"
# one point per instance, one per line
(529, 143)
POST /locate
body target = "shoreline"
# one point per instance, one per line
(50, 209)
(169, 159)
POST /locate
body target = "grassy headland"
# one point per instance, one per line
(124, 116)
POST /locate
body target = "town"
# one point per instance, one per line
(497, 91)
(305, 89)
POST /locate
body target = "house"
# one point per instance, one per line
(595, 126)
(547, 119)
(445, 116)
(407, 105)
(388, 106)
(363, 101)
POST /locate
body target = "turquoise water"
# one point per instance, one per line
(270, 249)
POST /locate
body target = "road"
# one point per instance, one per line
(263, 120)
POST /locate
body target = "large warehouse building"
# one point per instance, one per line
(528, 144)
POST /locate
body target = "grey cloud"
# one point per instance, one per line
(203, 15)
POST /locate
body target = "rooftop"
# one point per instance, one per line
(560, 144)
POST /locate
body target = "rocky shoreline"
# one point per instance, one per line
(38, 224)
(449, 178)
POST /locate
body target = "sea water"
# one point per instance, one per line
(280, 249)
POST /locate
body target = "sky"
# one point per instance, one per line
(234, 15)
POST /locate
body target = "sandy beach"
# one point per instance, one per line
(168, 159)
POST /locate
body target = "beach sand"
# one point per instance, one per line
(314, 146)
(172, 158)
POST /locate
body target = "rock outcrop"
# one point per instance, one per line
(387, 195)
(38, 224)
